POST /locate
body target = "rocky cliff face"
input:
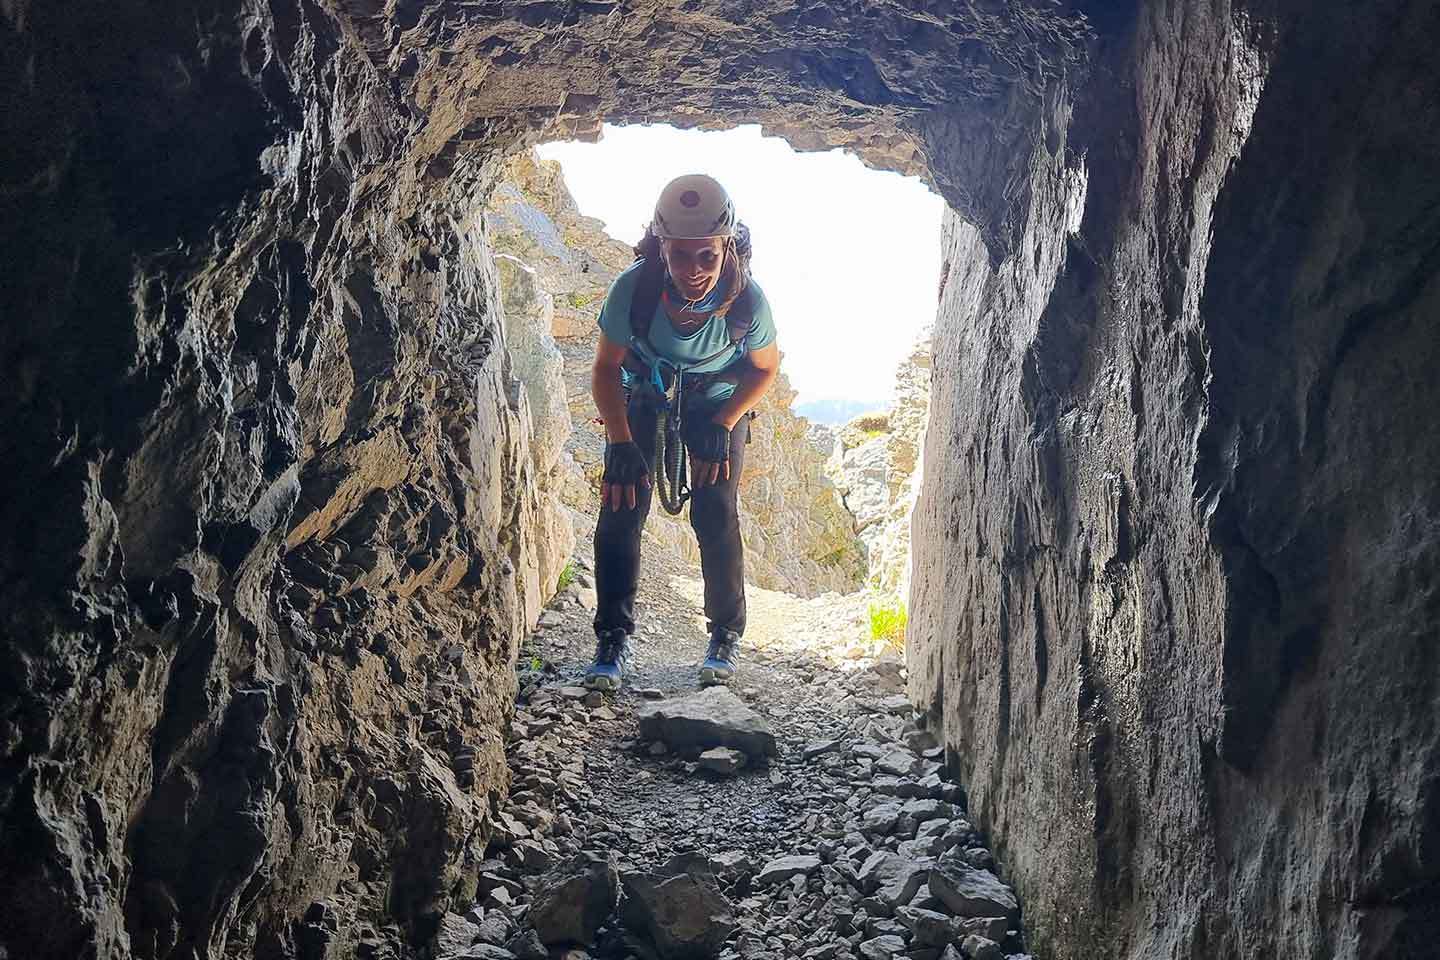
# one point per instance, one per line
(1177, 544)
(798, 535)
(270, 510)
(269, 495)
(876, 463)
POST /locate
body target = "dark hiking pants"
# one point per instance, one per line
(714, 519)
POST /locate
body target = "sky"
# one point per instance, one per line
(849, 257)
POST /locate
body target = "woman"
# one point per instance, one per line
(688, 301)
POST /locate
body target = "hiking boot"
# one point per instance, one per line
(719, 665)
(612, 654)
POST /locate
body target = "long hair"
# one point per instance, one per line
(735, 273)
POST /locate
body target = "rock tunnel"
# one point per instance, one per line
(269, 516)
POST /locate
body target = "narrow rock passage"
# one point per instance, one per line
(848, 842)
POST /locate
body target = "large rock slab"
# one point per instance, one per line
(573, 902)
(679, 908)
(453, 936)
(713, 717)
(783, 868)
(970, 892)
(892, 878)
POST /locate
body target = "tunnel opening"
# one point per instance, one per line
(854, 351)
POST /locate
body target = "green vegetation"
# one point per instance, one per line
(888, 619)
(567, 577)
(580, 300)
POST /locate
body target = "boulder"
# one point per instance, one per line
(884, 947)
(898, 761)
(481, 951)
(495, 929)
(679, 908)
(925, 810)
(573, 902)
(930, 928)
(991, 928)
(527, 946)
(880, 819)
(454, 934)
(714, 717)
(891, 878)
(969, 892)
(976, 947)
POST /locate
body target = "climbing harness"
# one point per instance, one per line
(672, 470)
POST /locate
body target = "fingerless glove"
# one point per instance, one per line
(625, 464)
(708, 441)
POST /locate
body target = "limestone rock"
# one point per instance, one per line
(482, 951)
(679, 908)
(930, 928)
(713, 717)
(820, 748)
(885, 947)
(575, 901)
(778, 871)
(453, 936)
(976, 947)
(892, 878)
(725, 761)
(969, 892)
(991, 928)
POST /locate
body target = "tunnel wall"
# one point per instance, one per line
(270, 527)
(269, 522)
(1176, 561)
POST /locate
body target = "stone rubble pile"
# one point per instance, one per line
(872, 856)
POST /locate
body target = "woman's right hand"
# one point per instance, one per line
(625, 470)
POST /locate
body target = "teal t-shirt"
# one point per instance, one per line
(707, 343)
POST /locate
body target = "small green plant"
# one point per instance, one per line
(580, 300)
(887, 621)
(567, 577)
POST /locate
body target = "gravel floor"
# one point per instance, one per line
(850, 790)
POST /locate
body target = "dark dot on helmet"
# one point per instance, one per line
(690, 198)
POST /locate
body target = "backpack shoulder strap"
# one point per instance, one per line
(646, 298)
(741, 317)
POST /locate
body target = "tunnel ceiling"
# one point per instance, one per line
(948, 92)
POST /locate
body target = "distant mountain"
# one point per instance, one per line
(837, 410)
